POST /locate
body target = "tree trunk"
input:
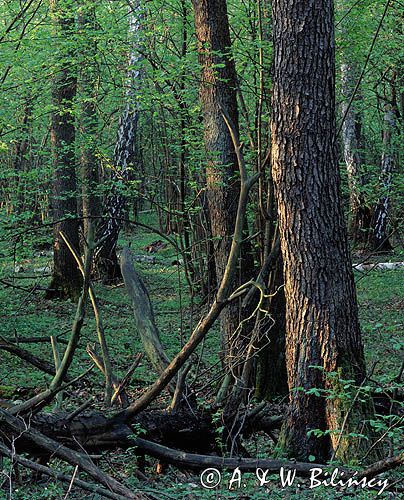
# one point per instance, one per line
(66, 279)
(351, 138)
(380, 237)
(23, 155)
(124, 159)
(218, 96)
(90, 174)
(322, 330)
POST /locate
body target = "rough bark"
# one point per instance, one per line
(218, 96)
(322, 329)
(125, 158)
(66, 278)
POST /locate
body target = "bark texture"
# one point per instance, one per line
(66, 279)
(380, 237)
(124, 158)
(322, 328)
(88, 82)
(218, 96)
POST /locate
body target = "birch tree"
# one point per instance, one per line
(124, 156)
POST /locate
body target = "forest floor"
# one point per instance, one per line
(25, 313)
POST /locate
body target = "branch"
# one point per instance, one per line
(66, 454)
(143, 313)
(84, 485)
(33, 360)
(219, 303)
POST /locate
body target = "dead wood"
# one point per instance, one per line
(143, 313)
(95, 431)
(42, 469)
(98, 361)
(201, 462)
(382, 466)
(19, 428)
(33, 360)
(38, 340)
(303, 469)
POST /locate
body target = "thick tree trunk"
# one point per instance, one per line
(66, 279)
(322, 329)
(218, 96)
(351, 138)
(124, 159)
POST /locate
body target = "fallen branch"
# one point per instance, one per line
(38, 340)
(42, 469)
(68, 455)
(303, 469)
(143, 314)
(119, 391)
(98, 361)
(378, 266)
(37, 402)
(201, 462)
(382, 466)
(33, 360)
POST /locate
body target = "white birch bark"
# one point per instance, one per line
(124, 154)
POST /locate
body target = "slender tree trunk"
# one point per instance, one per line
(351, 138)
(323, 338)
(66, 279)
(124, 159)
(380, 237)
(218, 96)
(22, 157)
(88, 82)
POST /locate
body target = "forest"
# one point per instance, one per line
(201, 249)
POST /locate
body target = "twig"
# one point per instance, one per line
(101, 366)
(127, 377)
(71, 482)
(100, 328)
(41, 399)
(179, 389)
(78, 410)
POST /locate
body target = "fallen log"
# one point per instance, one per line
(20, 429)
(378, 266)
(200, 462)
(96, 431)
